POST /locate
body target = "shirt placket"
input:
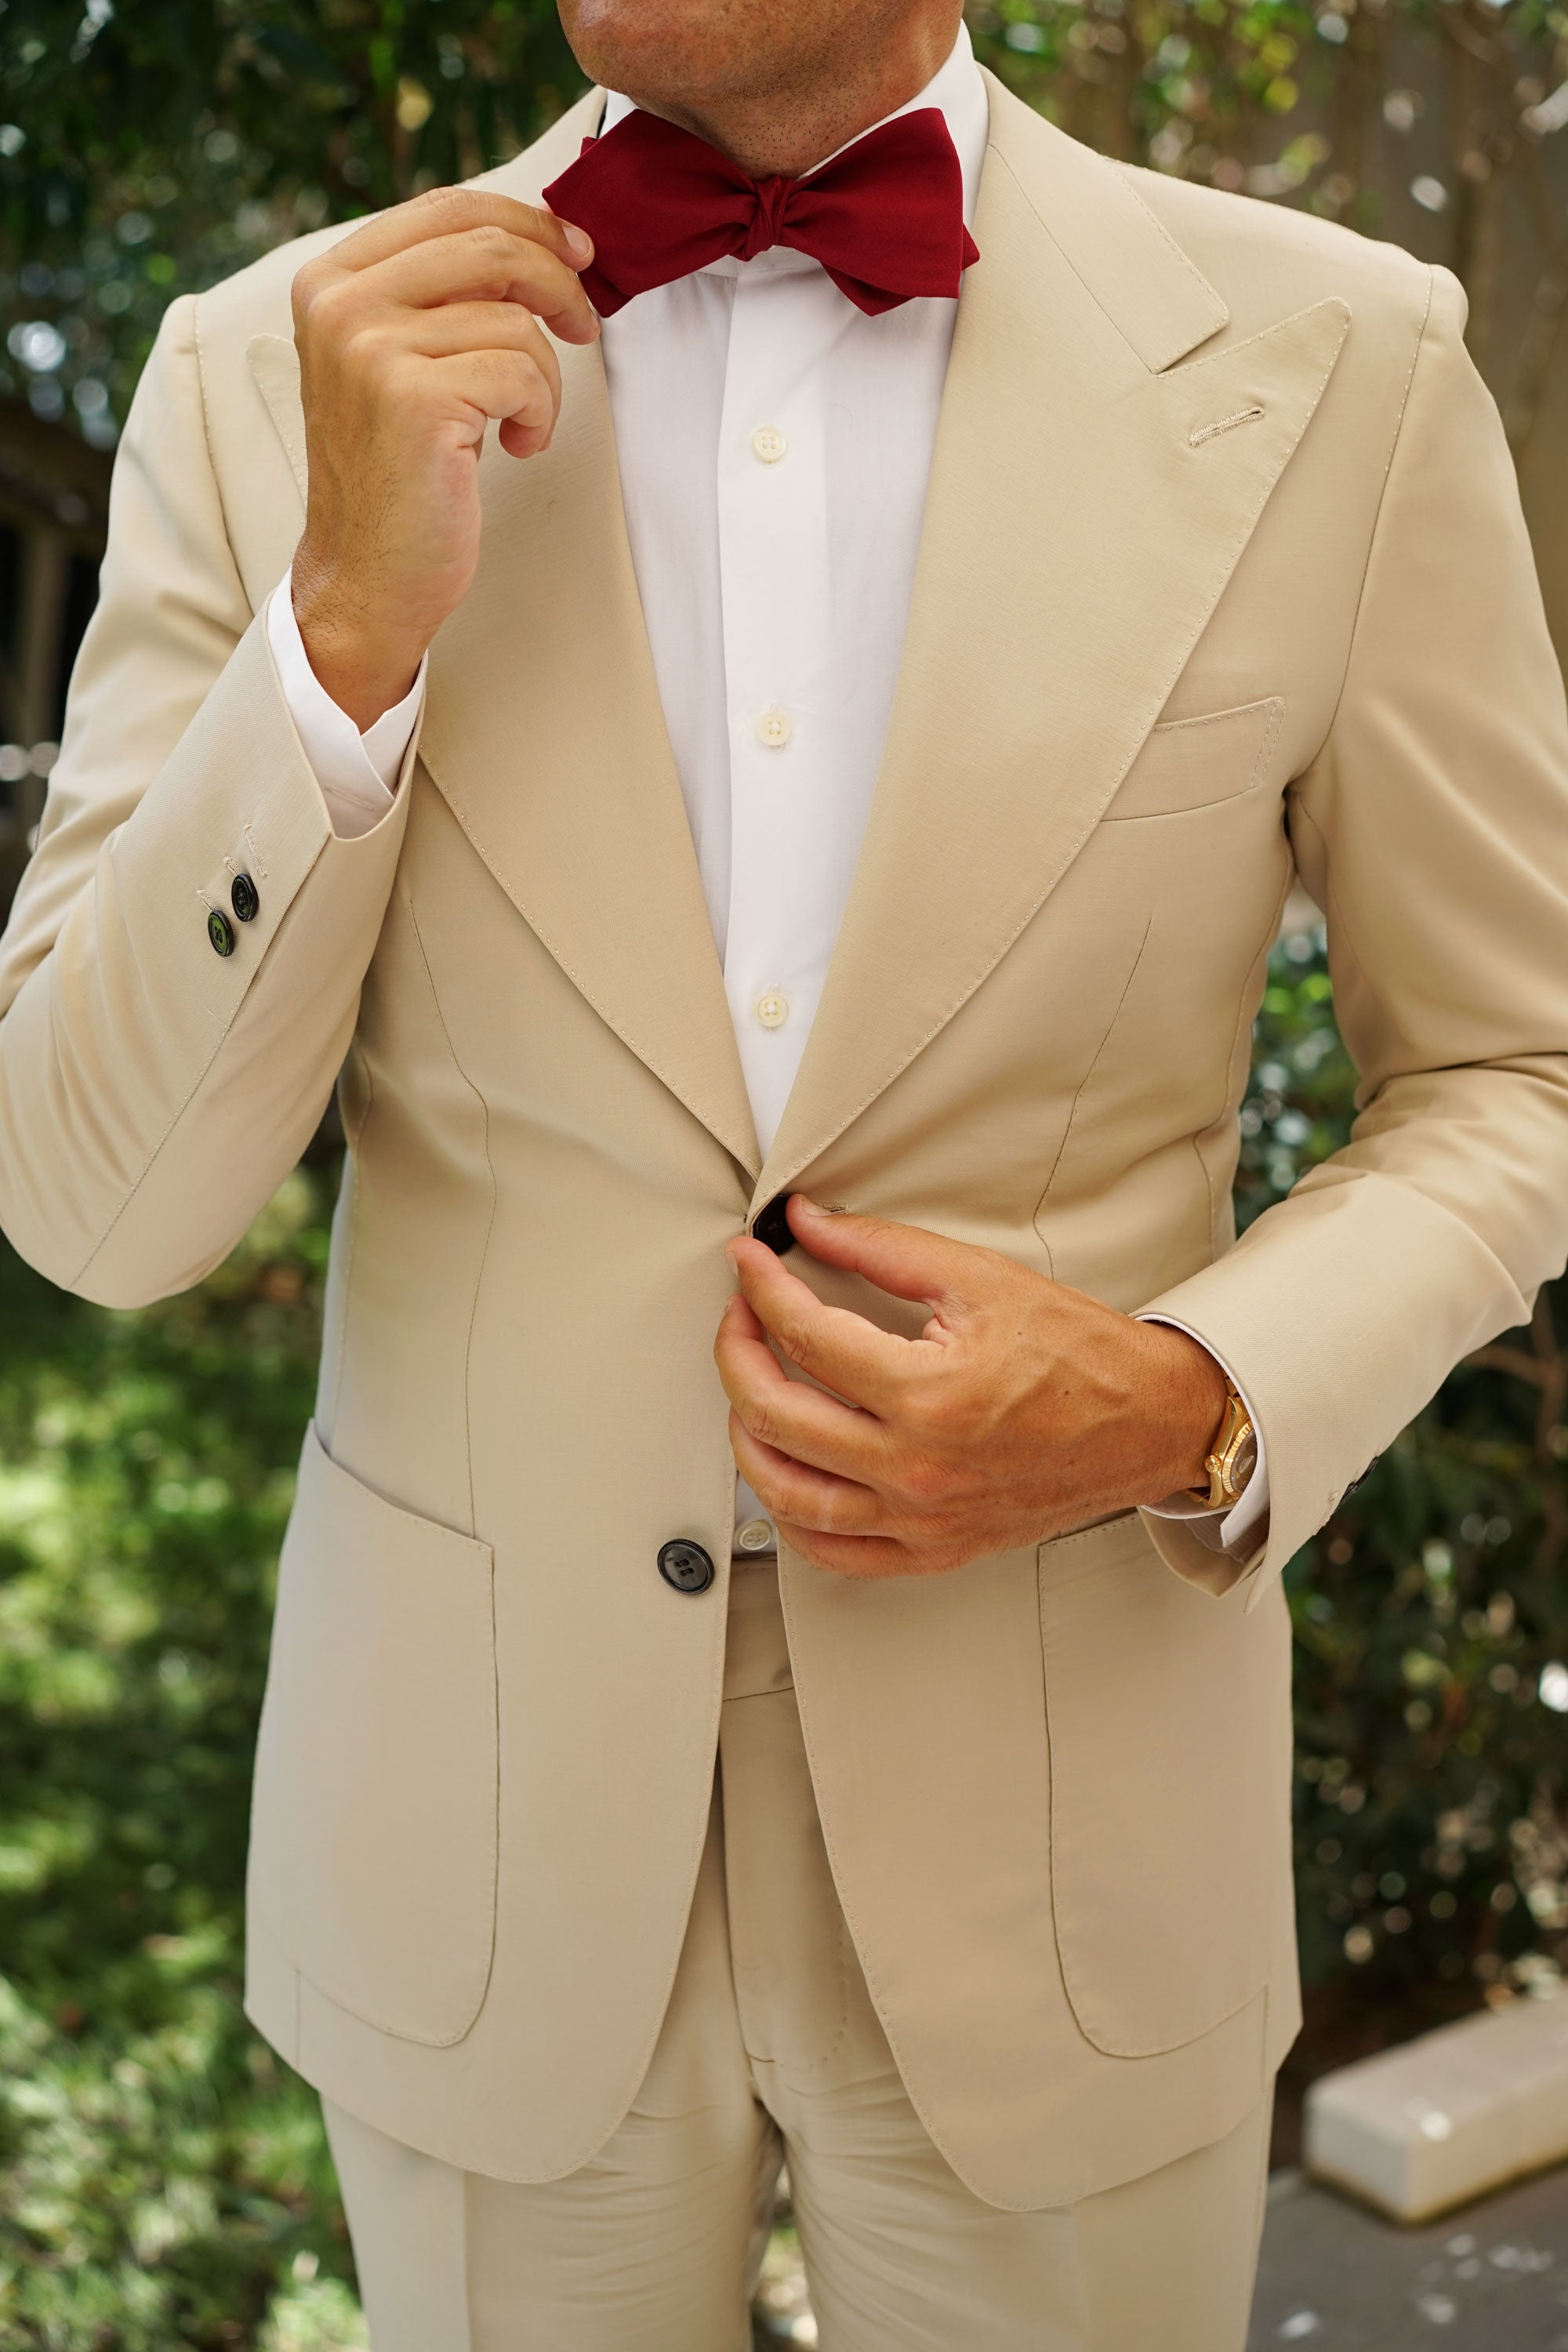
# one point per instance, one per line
(773, 558)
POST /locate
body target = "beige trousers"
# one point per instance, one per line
(771, 2048)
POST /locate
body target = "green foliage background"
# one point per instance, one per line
(156, 146)
(163, 2180)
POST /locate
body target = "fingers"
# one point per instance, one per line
(866, 1558)
(826, 1473)
(842, 1350)
(794, 1491)
(487, 264)
(466, 326)
(787, 1414)
(905, 1260)
(454, 329)
(442, 212)
(510, 385)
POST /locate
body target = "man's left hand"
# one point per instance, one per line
(1023, 1410)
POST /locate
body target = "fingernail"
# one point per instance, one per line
(809, 1205)
(578, 243)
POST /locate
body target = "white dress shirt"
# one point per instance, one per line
(775, 445)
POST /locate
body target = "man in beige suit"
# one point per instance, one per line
(923, 1816)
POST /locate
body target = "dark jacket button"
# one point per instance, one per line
(771, 1226)
(245, 899)
(686, 1566)
(220, 931)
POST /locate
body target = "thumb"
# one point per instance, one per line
(905, 1260)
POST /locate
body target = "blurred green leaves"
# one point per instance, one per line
(1268, 96)
(163, 2179)
(1299, 1103)
(151, 146)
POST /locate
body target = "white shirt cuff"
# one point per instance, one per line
(1240, 1529)
(357, 773)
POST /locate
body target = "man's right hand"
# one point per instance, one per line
(413, 333)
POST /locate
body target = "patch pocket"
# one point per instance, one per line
(376, 1765)
(1168, 1717)
(1191, 763)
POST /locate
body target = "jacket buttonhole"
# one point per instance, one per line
(1223, 424)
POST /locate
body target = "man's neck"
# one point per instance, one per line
(788, 128)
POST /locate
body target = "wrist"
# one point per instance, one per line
(1191, 1397)
(366, 663)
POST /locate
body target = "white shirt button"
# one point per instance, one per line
(755, 1535)
(769, 444)
(772, 1008)
(775, 728)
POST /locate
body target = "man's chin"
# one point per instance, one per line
(682, 58)
(654, 50)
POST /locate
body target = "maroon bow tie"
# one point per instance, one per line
(884, 218)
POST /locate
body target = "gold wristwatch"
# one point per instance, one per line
(1234, 1457)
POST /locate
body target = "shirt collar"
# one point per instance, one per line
(956, 89)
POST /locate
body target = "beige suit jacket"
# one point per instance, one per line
(1223, 575)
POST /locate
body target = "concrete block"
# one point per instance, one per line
(1439, 2121)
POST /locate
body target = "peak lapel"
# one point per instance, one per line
(1081, 525)
(546, 736)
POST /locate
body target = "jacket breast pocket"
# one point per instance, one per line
(1168, 1714)
(1190, 763)
(376, 1767)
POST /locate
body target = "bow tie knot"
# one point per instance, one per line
(768, 219)
(884, 217)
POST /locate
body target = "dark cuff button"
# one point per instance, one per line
(772, 1225)
(245, 899)
(686, 1566)
(220, 931)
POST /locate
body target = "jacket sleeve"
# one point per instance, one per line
(153, 1092)
(1432, 828)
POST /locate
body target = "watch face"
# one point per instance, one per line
(1246, 1462)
